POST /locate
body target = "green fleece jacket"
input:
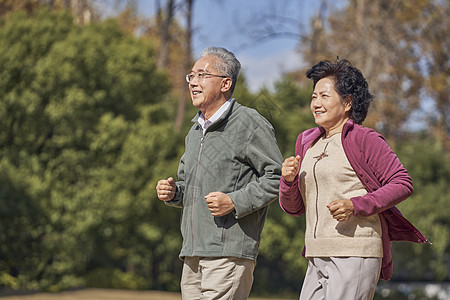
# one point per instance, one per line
(239, 156)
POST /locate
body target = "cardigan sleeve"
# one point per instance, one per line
(381, 169)
(290, 197)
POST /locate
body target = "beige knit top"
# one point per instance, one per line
(326, 175)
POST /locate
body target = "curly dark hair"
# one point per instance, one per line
(349, 82)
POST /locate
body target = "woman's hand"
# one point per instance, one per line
(290, 168)
(341, 210)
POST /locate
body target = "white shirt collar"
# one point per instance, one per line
(206, 123)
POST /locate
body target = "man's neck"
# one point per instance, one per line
(211, 110)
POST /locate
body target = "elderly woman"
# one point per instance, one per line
(346, 179)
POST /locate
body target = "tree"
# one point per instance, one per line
(429, 166)
(84, 11)
(164, 20)
(171, 39)
(87, 130)
(434, 39)
(181, 112)
(82, 147)
(400, 51)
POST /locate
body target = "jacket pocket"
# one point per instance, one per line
(224, 229)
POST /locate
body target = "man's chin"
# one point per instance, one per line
(197, 104)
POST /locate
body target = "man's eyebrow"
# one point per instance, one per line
(200, 70)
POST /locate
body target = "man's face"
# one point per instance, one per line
(207, 92)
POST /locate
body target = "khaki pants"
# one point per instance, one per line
(341, 278)
(207, 278)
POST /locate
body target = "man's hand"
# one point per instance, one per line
(166, 189)
(341, 210)
(290, 168)
(219, 204)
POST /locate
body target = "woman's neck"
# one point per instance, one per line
(336, 129)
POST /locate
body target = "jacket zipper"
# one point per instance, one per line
(319, 157)
(195, 186)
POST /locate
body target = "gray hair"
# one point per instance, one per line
(227, 63)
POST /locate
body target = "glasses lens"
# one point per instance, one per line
(188, 77)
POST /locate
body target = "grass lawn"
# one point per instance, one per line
(103, 294)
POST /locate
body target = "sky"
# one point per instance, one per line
(229, 24)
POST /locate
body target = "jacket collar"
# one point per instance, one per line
(348, 126)
(312, 134)
(233, 106)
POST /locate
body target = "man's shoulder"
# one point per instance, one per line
(195, 129)
(242, 111)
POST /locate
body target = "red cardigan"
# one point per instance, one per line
(379, 169)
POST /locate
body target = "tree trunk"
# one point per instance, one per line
(166, 20)
(181, 111)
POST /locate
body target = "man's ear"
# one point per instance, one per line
(226, 85)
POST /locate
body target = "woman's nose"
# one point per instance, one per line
(316, 102)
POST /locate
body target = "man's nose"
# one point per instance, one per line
(194, 80)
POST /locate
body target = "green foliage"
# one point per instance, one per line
(85, 133)
(296, 115)
(429, 166)
(115, 279)
(286, 108)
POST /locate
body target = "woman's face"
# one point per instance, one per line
(327, 107)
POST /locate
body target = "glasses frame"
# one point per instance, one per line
(201, 76)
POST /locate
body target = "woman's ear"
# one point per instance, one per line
(348, 102)
(226, 85)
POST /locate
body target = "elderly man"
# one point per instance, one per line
(227, 177)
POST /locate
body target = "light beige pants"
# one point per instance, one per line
(207, 278)
(341, 278)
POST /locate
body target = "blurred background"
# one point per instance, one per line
(94, 109)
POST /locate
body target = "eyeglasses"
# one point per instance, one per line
(201, 76)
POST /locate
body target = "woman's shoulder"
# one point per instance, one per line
(360, 131)
(365, 138)
(311, 133)
(306, 138)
